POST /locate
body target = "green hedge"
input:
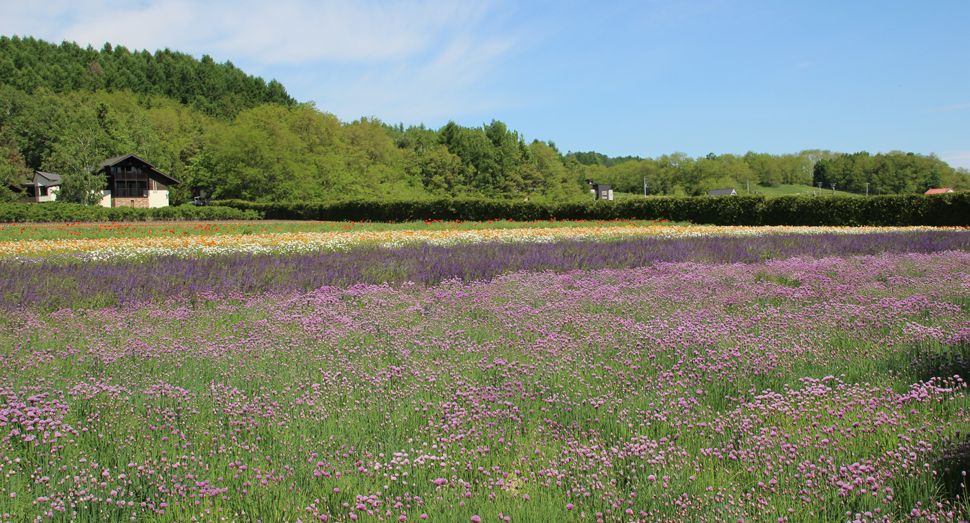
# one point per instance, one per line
(73, 212)
(937, 210)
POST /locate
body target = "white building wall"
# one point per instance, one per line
(51, 196)
(157, 199)
(106, 198)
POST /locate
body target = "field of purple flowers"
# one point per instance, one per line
(76, 281)
(809, 388)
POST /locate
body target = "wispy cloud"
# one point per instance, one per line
(288, 31)
(947, 108)
(453, 81)
(957, 158)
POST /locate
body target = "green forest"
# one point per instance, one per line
(64, 109)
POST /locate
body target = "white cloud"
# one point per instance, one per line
(947, 108)
(456, 80)
(154, 26)
(288, 31)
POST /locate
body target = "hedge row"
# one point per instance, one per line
(902, 210)
(73, 212)
(936, 210)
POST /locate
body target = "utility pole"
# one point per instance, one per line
(820, 187)
(749, 186)
(867, 188)
(833, 189)
(644, 186)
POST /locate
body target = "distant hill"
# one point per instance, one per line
(214, 89)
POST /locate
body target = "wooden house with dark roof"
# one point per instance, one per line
(133, 182)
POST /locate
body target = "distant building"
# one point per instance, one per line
(43, 188)
(722, 192)
(940, 191)
(601, 191)
(133, 182)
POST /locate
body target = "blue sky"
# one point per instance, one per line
(640, 78)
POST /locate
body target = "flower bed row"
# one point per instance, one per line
(93, 282)
(304, 242)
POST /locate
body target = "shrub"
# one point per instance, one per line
(898, 210)
(73, 212)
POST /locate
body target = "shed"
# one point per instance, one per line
(601, 191)
(722, 192)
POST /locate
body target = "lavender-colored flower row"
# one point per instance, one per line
(786, 391)
(56, 284)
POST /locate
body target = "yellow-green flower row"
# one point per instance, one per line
(301, 242)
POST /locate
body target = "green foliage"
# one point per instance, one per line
(679, 175)
(558, 180)
(439, 171)
(73, 212)
(894, 172)
(12, 169)
(595, 158)
(214, 89)
(904, 210)
(84, 188)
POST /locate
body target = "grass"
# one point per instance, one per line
(796, 190)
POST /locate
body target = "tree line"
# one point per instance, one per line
(895, 172)
(64, 109)
(214, 89)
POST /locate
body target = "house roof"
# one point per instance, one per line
(46, 179)
(111, 162)
(721, 192)
(940, 191)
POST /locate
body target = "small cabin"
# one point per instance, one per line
(133, 182)
(43, 188)
(722, 192)
(940, 191)
(600, 191)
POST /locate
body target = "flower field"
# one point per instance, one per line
(168, 242)
(678, 375)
